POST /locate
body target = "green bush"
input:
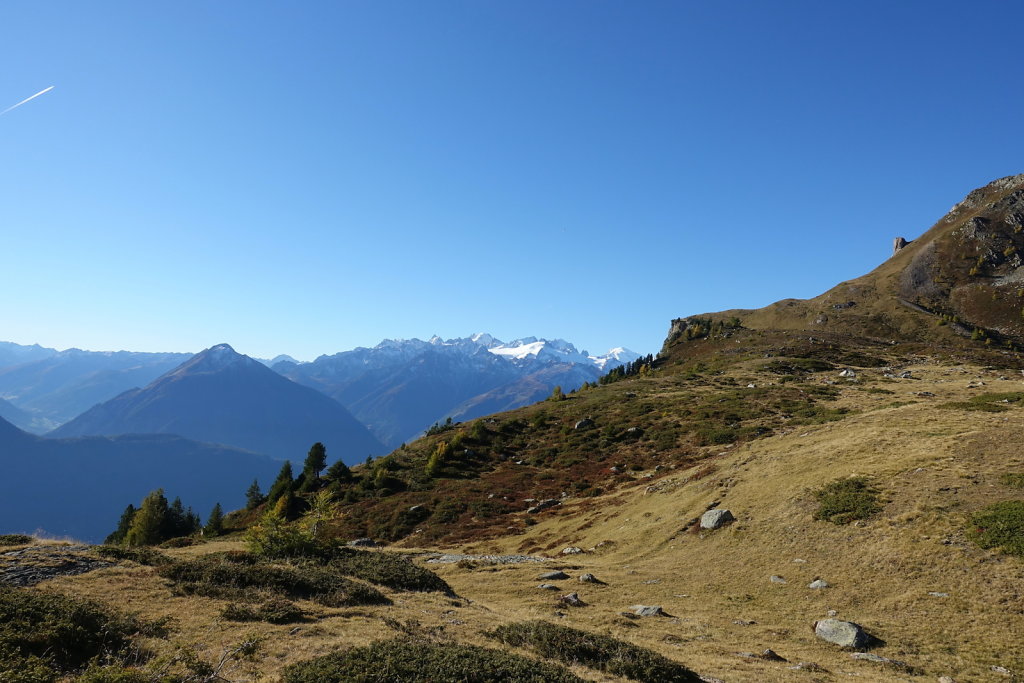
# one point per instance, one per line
(1000, 525)
(388, 569)
(846, 500)
(14, 539)
(414, 660)
(273, 611)
(238, 577)
(1013, 480)
(140, 555)
(43, 635)
(603, 653)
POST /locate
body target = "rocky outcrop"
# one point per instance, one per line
(898, 244)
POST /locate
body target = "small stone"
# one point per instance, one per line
(553, 576)
(772, 656)
(588, 578)
(776, 579)
(947, 679)
(999, 669)
(715, 519)
(818, 584)
(547, 587)
(799, 561)
(936, 594)
(647, 610)
(573, 600)
(842, 633)
(832, 613)
(572, 550)
(847, 373)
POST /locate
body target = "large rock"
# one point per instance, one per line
(647, 610)
(842, 633)
(543, 505)
(714, 519)
(553, 576)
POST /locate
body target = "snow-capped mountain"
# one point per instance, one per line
(402, 386)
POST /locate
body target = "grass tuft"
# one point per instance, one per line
(1000, 525)
(846, 500)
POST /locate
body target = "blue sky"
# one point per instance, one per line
(304, 178)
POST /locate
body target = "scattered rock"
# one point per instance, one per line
(647, 610)
(847, 372)
(772, 656)
(842, 633)
(543, 505)
(818, 584)
(589, 578)
(454, 558)
(1000, 669)
(799, 561)
(553, 576)
(715, 519)
(585, 423)
(363, 543)
(572, 550)
(936, 594)
(810, 666)
(547, 587)
(906, 374)
(744, 622)
(573, 600)
(832, 613)
(36, 564)
(776, 579)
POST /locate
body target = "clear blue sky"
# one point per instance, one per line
(308, 177)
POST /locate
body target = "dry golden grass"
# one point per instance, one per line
(934, 466)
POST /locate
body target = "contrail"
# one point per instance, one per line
(41, 92)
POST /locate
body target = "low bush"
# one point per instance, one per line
(407, 659)
(237, 577)
(140, 555)
(387, 569)
(273, 611)
(14, 539)
(1013, 480)
(602, 653)
(45, 635)
(1000, 525)
(846, 500)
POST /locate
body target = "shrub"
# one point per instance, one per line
(1013, 480)
(146, 556)
(14, 539)
(45, 634)
(237, 577)
(1000, 525)
(845, 500)
(273, 611)
(407, 659)
(388, 569)
(603, 653)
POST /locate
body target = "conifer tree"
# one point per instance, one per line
(283, 483)
(215, 523)
(316, 461)
(125, 523)
(149, 521)
(339, 472)
(254, 497)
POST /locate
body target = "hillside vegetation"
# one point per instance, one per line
(865, 445)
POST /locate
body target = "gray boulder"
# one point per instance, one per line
(647, 610)
(553, 576)
(818, 584)
(715, 519)
(841, 633)
(588, 578)
(547, 587)
(585, 423)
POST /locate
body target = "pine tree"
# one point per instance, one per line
(215, 523)
(254, 497)
(339, 472)
(283, 484)
(316, 461)
(176, 521)
(117, 537)
(149, 521)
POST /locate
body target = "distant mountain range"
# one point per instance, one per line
(221, 396)
(51, 387)
(400, 387)
(397, 388)
(79, 487)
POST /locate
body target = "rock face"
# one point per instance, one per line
(715, 519)
(842, 633)
(898, 244)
